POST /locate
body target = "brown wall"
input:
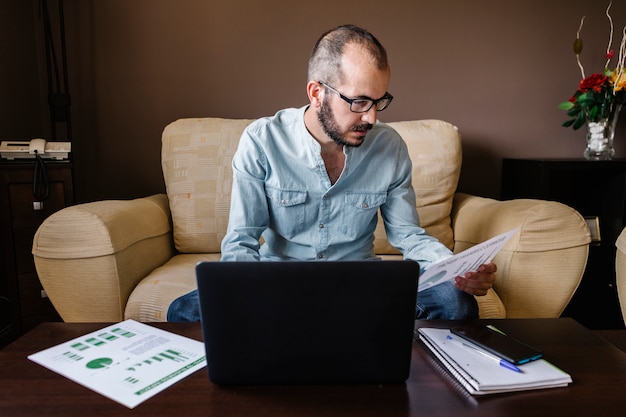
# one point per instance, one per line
(20, 109)
(495, 68)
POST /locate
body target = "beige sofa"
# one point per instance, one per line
(620, 271)
(109, 260)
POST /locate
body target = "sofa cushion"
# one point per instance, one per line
(152, 297)
(435, 150)
(196, 159)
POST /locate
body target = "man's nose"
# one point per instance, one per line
(370, 115)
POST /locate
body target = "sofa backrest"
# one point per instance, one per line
(196, 159)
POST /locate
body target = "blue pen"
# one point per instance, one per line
(486, 355)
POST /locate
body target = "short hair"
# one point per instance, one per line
(325, 60)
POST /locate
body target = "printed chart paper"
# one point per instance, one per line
(127, 362)
(467, 261)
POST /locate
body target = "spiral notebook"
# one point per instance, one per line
(480, 376)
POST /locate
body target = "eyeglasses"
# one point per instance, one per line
(363, 104)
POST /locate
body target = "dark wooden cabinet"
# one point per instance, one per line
(23, 303)
(597, 189)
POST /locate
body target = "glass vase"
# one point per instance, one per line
(600, 137)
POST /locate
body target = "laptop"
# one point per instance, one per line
(301, 322)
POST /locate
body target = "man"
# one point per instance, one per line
(311, 180)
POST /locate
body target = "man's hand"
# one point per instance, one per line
(479, 282)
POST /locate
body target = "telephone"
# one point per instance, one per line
(36, 147)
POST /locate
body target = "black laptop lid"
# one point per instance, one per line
(308, 322)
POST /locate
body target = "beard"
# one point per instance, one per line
(332, 129)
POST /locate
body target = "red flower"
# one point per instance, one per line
(610, 54)
(593, 82)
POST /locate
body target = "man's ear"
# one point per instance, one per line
(315, 91)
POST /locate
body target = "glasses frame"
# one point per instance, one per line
(350, 101)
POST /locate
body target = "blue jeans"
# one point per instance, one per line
(185, 308)
(442, 301)
(445, 301)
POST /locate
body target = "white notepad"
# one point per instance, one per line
(481, 376)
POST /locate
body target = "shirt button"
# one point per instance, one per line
(325, 196)
(283, 202)
(320, 256)
(365, 205)
(321, 225)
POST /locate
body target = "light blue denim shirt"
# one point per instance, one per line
(281, 191)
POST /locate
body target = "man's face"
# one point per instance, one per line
(362, 79)
(353, 135)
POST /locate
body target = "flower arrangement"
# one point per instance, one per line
(600, 95)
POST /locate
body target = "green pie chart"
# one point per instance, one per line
(99, 363)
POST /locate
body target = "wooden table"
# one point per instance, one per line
(597, 368)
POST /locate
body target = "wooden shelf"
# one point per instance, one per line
(20, 289)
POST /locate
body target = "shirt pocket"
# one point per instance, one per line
(361, 212)
(287, 211)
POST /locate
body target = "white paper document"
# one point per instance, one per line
(127, 362)
(467, 261)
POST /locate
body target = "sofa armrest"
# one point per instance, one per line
(89, 257)
(539, 268)
(620, 270)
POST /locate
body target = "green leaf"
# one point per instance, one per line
(568, 123)
(586, 102)
(580, 121)
(566, 105)
(574, 112)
